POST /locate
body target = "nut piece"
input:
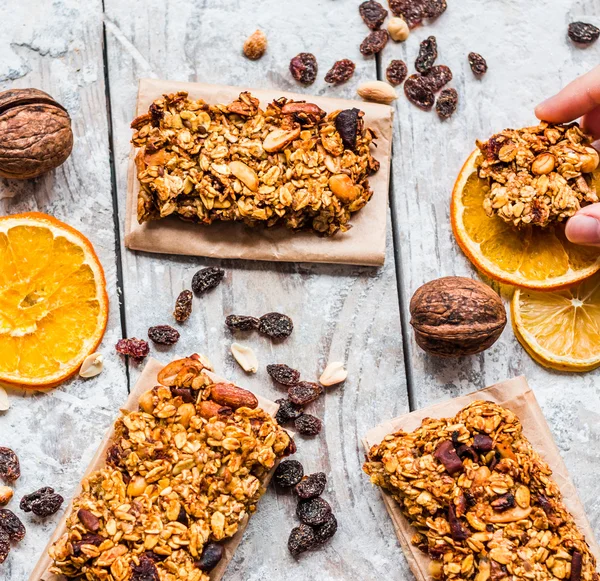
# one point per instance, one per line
(398, 29)
(343, 187)
(4, 401)
(92, 365)
(543, 164)
(334, 373)
(589, 161)
(377, 91)
(255, 45)
(6, 494)
(232, 396)
(245, 174)
(279, 138)
(245, 356)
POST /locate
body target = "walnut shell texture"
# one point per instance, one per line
(455, 316)
(35, 133)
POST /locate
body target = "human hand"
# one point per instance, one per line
(580, 98)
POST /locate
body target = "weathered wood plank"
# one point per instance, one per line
(346, 313)
(56, 433)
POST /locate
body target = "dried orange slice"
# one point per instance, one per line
(53, 302)
(529, 257)
(560, 329)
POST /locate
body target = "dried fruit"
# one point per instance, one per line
(325, 531)
(245, 356)
(576, 566)
(287, 411)
(583, 32)
(302, 538)
(211, 555)
(311, 486)
(92, 365)
(374, 43)
(6, 494)
(410, 10)
(447, 455)
(136, 348)
(398, 29)
(11, 524)
(89, 520)
(372, 13)
(183, 306)
(418, 91)
(87, 539)
(504, 502)
(427, 54)
(458, 531)
(483, 443)
(10, 469)
(146, 569)
(434, 8)
(478, 64)
(163, 334)
(5, 545)
(446, 103)
(185, 393)
(340, 72)
(276, 325)
(438, 76)
(314, 512)
(304, 392)
(255, 45)
(455, 316)
(242, 323)
(308, 425)
(283, 374)
(396, 72)
(207, 278)
(348, 124)
(43, 502)
(304, 68)
(333, 374)
(377, 91)
(288, 473)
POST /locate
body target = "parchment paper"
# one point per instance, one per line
(363, 244)
(518, 397)
(147, 380)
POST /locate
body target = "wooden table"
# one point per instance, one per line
(90, 55)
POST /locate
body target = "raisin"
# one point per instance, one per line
(348, 124)
(10, 469)
(183, 306)
(446, 103)
(478, 64)
(207, 278)
(276, 325)
(43, 502)
(304, 68)
(504, 502)
(5, 545)
(163, 334)
(86, 539)
(583, 33)
(288, 473)
(136, 348)
(434, 8)
(115, 455)
(438, 76)
(145, 571)
(12, 525)
(311, 486)
(427, 54)
(410, 10)
(458, 531)
(374, 43)
(340, 72)
(396, 72)
(304, 392)
(287, 411)
(418, 92)
(283, 374)
(372, 13)
(302, 538)
(314, 511)
(185, 393)
(325, 531)
(242, 323)
(211, 555)
(308, 425)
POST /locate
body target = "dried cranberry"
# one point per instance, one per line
(457, 530)
(302, 538)
(396, 72)
(463, 451)
(242, 323)
(372, 13)
(275, 325)
(340, 72)
(325, 531)
(136, 348)
(12, 525)
(287, 411)
(576, 566)
(374, 43)
(483, 443)
(163, 334)
(211, 555)
(434, 8)
(288, 473)
(314, 511)
(478, 64)
(43, 502)
(446, 454)
(207, 278)
(418, 92)
(348, 124)
(5, 545)
(311, 486)
(283, 374)
(446, 103)
(304, 68)
(308, 425)
(304, 392)
(438, 76)
(504, 502)
(145, 571)
(583, 32)
(427, 54)
(183, 306)
(10, 469)
(410, 10)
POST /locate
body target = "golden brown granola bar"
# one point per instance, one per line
(482, 501)
(290, 164)
(181, 475)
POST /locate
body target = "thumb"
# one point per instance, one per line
(584, 227)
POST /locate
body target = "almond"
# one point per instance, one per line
(279, 138)
(334, 373)
(245, 356)
(299, 107)
(6, 494)
(209, 409)
(377, 91)
(89, 520)
(245, 174)
(232, 396)
(92, 365)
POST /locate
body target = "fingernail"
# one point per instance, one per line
(582, 229)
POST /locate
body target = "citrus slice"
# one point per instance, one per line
(53, 302)
(560, 329)
(529, 257)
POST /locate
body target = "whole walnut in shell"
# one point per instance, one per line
(455, 316)
(35, 133)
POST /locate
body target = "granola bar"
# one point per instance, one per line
(538, 175)
(291, 164)
(182, 474)
(482, 501)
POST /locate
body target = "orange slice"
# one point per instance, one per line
(560, 329)
(529, 257)
(53, 302)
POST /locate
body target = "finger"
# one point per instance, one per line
(591, 123)
(578, 98)
(584, 227)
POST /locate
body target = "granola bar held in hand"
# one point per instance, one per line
(291, 164)
(482, 501)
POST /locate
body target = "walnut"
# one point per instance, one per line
(455, 316)
(35, 133)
